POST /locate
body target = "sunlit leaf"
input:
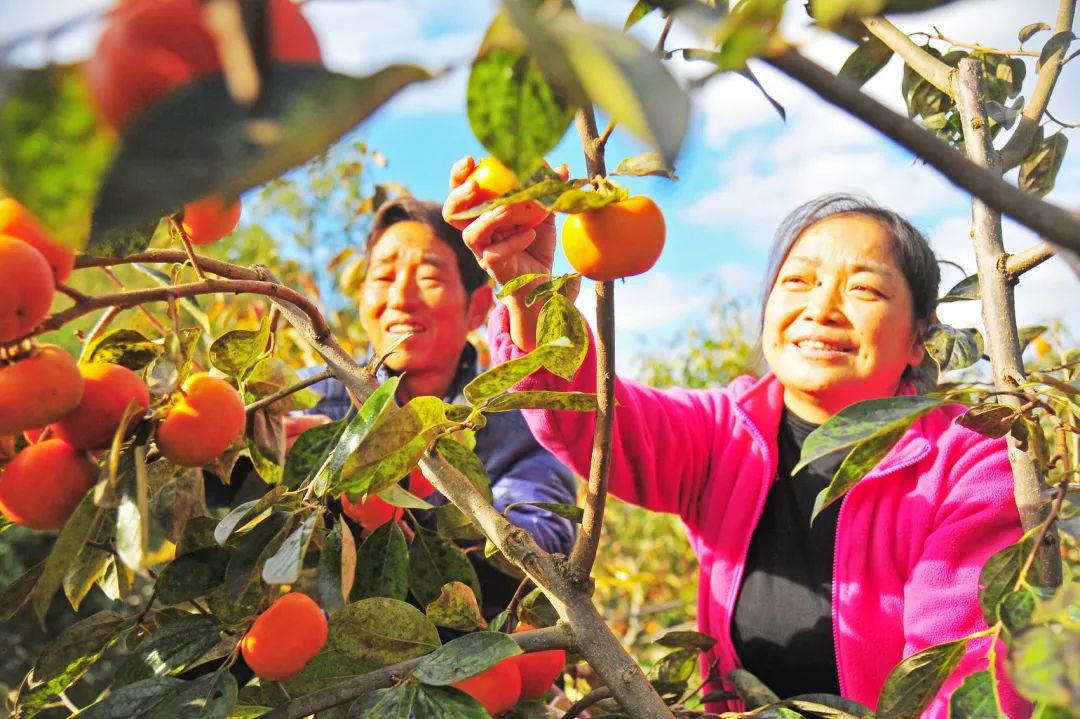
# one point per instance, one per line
(456, 608)
(434, 561)
(178, 644)
(382, 564)
(71, 539)
(866, 60)
(914, 682)
(990, 419)
(236, 352)
(124, 347)
(382, 631)
(284, 567)
(464, 657)
(572, 401)
(953, 348)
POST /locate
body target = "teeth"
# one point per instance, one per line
(401, 329)
(817, 345)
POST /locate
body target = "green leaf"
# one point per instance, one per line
(678, 666)
(1044, 664)
(169, 650)
(975, 699)
(134, 700)
(560, 319)
(417, 418)
(914, 682)
(192, 575)
(862, 421)
(1016, 608)
(518, 282)
(536, 610)
(252, 548)
(645, 164)
(747, 32)
(65, 550)
(379, 405)
(862, 458)
(337, 567)
(953, 348)
(1058, 45)
(15, 594)
(637, 13)
(67, 657)
(382, 631)
(965, 289)
(124, 347)
(1039, 169)
(232, 520)
(867, 60)
(133, 516)
(567, 511)
(577, 200)
(208, 697)
(398, 496)
(168, 159)
(513, 110)
(53, 147)
(626, 80)
(446, 703)
(751, 690)
(464, 657)
(328, 667)
(273, 374)
(235, 353)
(1028, 31)
(434, 561)
(687, 640)
(285, 565)
(468, 463)
(382, 564)
(309, 452)
(394, 702)
(456, 608)
(571, 401)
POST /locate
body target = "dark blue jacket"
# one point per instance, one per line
(520, 469)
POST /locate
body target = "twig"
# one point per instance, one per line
(146, 313)
(998, 309)
(511, 608)
(71, 292)
(1014, 151)
(596, 695)
(583, 555)
(535, 640)
(302, 384)
(1067, 125)
(1029, 259)
(933, 70)
(1054, 223)
(178, 231)
(937, 35)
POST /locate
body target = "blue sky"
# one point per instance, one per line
(741, 170)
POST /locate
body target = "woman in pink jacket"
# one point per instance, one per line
(891, 569)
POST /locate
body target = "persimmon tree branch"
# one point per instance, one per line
(1019, 263)
(999, 312)
(1054, 223)
(1019, 143)
(534, 640)
(583, 555)
(292, 389)
(933, 70)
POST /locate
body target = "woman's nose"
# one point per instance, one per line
(822, 304)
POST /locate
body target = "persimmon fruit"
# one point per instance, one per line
(18, 222)
(493, 179)
(285, 637)
(370, 512)
(209, 219)
(108, 390)
(419, 484)
(497, 688)
(26, 288)
(38, 389)
(618, 240)
(203, 422)
(149, 47)
(44, 483)
(539, 670)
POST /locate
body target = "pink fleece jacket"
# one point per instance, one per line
(911, 537)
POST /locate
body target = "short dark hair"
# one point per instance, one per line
(410, 209)
(910, 248)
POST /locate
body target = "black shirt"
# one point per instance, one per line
(782, 627)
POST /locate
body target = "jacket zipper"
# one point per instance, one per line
(836, 554)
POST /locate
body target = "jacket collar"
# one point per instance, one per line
(762, 401)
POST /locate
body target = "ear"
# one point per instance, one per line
(480, 303)
(918, 343)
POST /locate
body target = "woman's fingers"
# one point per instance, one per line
(460, 198)
(461, 170)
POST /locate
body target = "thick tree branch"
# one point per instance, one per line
(933, 70)
(534, 640)
(1055, 224)
(999, 311)
(1029, 259)
(1019, 144)
(583, 554)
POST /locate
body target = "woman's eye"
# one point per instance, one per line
(794, 281)
(866, 289)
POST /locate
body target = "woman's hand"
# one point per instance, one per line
(508, 241)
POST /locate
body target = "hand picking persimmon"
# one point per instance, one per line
(26, 288)
(370, 512)
(497, 688)
(18, 222)
(209, 219)
(203, 422)
(150, 47)
(617, 240)
(493, 179)
(43, 484)
(38, 389)
(539, 670)
(285, 637)
(108, 390)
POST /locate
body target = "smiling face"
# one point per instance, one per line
(839, 323)
(413, 284)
